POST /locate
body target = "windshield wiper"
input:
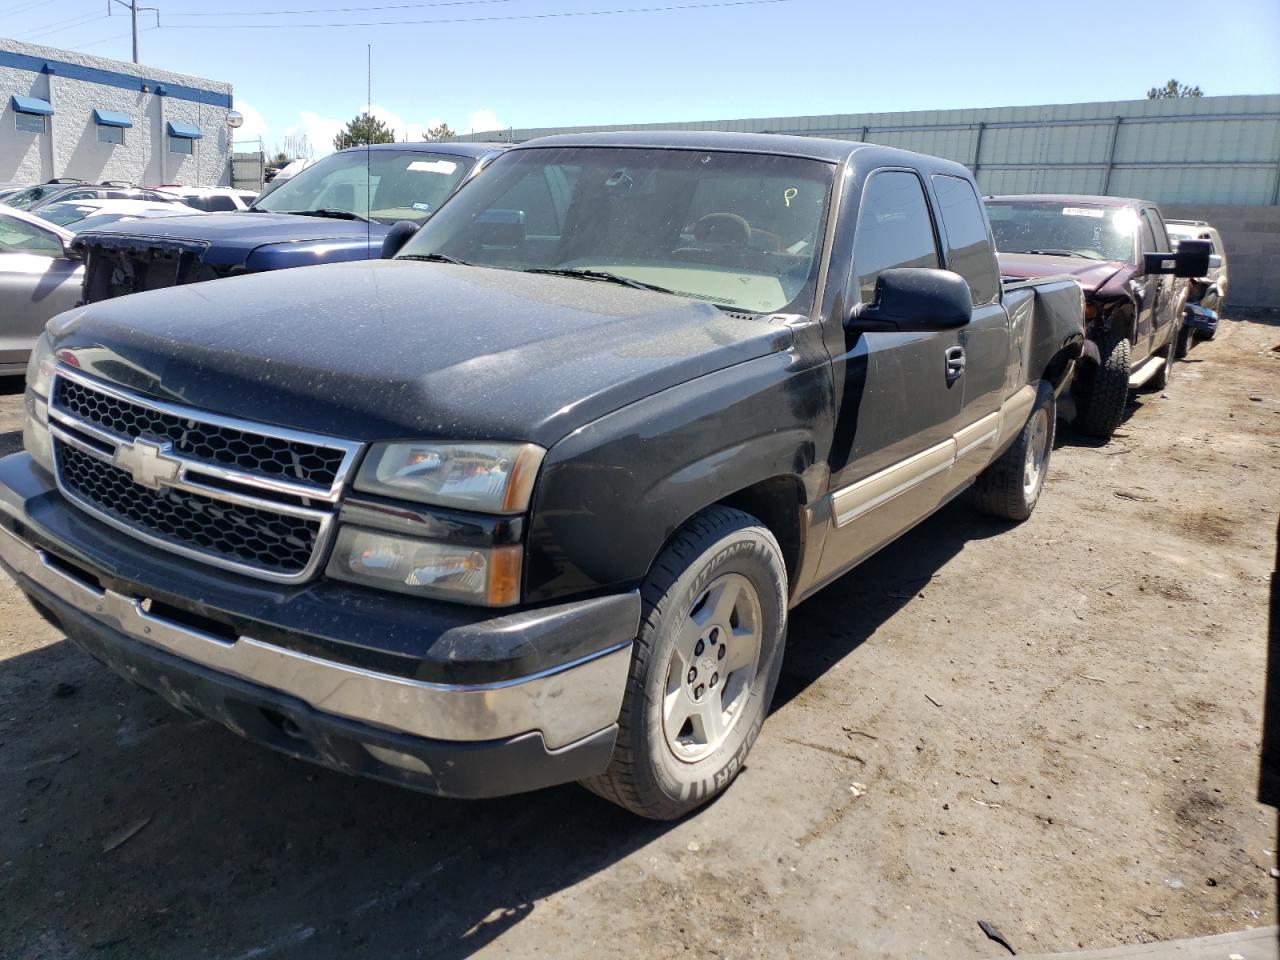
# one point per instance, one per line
(604, 275)
(435, 258)
(1061, 253)
(331, 214)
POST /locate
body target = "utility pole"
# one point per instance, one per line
(133, 8)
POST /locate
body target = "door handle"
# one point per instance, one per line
(955, 363)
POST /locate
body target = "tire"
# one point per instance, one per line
(1161, 379)
(1186, 337)
(1103, 391)
(665, 763)
(1011, 485)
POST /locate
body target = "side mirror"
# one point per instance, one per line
(71, 251)
(1215, 262)
(500, 228)
(397, 237)
(915, 299)
(1191, 259)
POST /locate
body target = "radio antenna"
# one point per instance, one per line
(368, 151)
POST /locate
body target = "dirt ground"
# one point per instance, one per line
(1054, 727)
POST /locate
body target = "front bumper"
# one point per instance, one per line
(484, 738)
(1200, 318)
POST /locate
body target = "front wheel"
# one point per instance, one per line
(1011, 485)
(1103, 391)
(705, 665)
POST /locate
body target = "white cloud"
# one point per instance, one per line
(318, 130)
(483, 120)
(254, 126)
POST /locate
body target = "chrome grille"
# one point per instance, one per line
(251, 452)
(258, 537)
(243, 496)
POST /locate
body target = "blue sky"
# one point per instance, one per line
(779, 57)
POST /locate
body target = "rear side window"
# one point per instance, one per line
(969, 249)
(219, 203)
(894, 229)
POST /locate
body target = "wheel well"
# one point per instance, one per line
(776, 503)
(1119, 319)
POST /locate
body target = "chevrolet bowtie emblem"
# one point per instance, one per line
(147, 463)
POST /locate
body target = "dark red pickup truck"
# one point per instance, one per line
(1118, 250)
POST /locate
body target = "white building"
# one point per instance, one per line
(69, 115)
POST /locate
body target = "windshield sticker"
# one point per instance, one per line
(422, 206)
(1083, 212)
(789, 194)
(433, 166)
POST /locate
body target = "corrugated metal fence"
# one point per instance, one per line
(1221, 150)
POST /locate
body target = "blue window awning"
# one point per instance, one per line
(187, 131)
(109, 118)
(33, 105)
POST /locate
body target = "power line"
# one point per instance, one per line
(118, 36)
(23, 7)
(394, 6)
(57, 26)
(523, 16)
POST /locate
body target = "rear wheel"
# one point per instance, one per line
(1103, 391)
(705, 665)
(1010, 486)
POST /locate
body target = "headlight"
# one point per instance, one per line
(482, 575)
(487, 477)
(35, 424)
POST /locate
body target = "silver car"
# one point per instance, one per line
(37, 281)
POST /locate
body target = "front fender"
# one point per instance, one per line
(614, 491)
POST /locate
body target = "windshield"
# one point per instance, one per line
(65, 212)
(1064, 229)
(742, 231)
(26, 199)
(385, 185)
(1183, 231)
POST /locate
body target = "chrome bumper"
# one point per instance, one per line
(565, 703)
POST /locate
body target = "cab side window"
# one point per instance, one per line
(970, 252)
(894, 229)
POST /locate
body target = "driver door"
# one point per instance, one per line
(899, 396)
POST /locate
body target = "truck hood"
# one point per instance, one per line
(231, 239)
(384, 349)
(1091, 274)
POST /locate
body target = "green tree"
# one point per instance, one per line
(361, 130)
(1173, 90)
(440, 132)
(281, 157)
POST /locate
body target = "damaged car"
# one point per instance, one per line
(1135, 288)
(344, 207)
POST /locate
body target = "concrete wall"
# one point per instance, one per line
(1251, 235)
(76, 85)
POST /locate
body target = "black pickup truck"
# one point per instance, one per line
(530, 502)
